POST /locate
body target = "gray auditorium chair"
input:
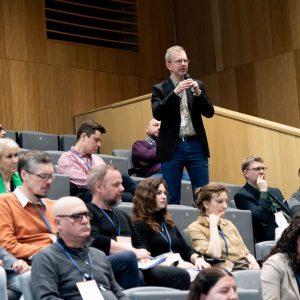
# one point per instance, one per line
(155, 292)
(262, 249)
(186, 197)
(120, 162)
(66, 141)
(3, 284)
(248, 280)
(127, 153)
(126, 207)
(35, 140)
(248, 294)
(25, 284)
(182, 215)
(242, 219)
(60, 187)
(54, 155)
(11, 134)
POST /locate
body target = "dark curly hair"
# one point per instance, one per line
(288, 245)
(205, 280)
(144, 204)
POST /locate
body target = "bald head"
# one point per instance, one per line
(67, 206)
(152, 128)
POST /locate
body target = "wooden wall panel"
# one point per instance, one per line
(276, 89)
(247, 92)
(280, 22)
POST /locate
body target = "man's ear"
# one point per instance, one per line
(23, 174)
(168, 65)
(98, 186)
(57, 222)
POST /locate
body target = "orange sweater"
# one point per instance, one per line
(22, 231)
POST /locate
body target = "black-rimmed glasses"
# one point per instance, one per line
(77, 217)
(44, 177)
(257, 169)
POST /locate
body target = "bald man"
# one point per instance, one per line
(70, 267)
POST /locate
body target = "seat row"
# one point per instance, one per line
(248, 283)
(34, 140)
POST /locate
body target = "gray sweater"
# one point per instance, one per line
(54, 275)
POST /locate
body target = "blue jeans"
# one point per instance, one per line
(187, 154)
(125, 268)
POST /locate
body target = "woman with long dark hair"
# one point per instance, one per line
(157, 229)
(281, 270)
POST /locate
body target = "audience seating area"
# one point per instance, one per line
(248, 282)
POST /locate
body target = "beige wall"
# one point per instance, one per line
(232, 136)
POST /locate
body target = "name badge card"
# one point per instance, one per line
(228, 265)
(281, 220)
(89, 290)
(53, 237)
(124, 240)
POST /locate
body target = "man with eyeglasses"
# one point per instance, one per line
(26, 222)
(179, 103)
(70, 268)
(268, 207)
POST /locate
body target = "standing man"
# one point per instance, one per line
(179, 103)
(70, 267)
(26, 222)
(77, 162)
(266, 204)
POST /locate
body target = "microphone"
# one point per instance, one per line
(187, 76)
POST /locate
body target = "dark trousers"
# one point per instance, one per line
(172, 277)
(125, 268)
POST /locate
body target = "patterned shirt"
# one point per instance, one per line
(77, 166)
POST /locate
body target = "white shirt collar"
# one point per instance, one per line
(22, 198)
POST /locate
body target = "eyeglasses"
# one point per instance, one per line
(44, 177)
(180, 61)
(258, 169)
(78, 217)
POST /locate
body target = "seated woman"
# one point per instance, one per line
(160, 235)
(213, 284)
(216, 237)
(9, 177)
(281, 270)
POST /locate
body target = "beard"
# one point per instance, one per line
(113, 202)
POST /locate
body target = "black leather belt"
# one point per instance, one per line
(188, 138)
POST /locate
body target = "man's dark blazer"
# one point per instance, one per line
(249, 198)
(166, 108)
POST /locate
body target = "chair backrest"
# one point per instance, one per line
(262, 249)
(11, 134)
(3, 284)
(126, 207)
(60, 187)
(120, 162)
(34, 140)
(66, 141)
(186, 198)
(127, 153)
(242, 219)
(248, 279)
(182, 215)
(155, 292)
(25, 285)
(54, 155)
(248, 294)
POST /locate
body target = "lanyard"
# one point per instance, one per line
(167, 237)
(224, 239)
(43, 216)
(87, 163)
(118, 230)
(85, 276)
